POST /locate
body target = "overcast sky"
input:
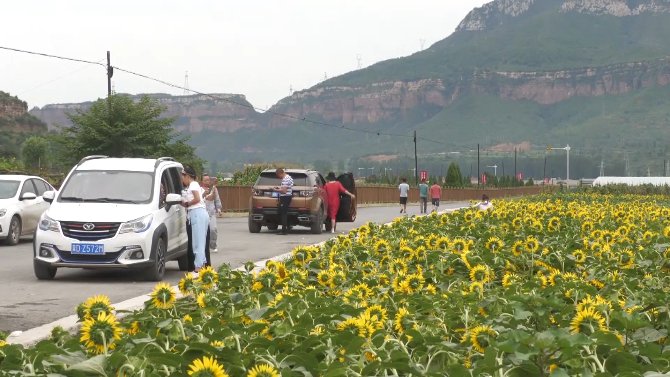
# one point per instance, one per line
(260, 49)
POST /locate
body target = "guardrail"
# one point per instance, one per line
(236, 198)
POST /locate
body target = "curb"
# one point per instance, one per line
(70, 323)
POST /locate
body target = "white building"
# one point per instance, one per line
(631, 181)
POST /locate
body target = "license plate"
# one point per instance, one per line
(275, 194)
(87, 248)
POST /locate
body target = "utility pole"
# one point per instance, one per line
(416, 163)
(478, 177)
(515, 172)
(110, 73)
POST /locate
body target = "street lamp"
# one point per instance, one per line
(567, 168)
(359, 172)
(495, 169)
(385, 169)
(372, 170)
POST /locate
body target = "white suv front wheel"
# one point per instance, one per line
(157, 270)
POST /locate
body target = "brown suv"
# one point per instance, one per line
(309, 205)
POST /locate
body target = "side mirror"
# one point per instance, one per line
(49, 196)
(28, 196)
(172, 199)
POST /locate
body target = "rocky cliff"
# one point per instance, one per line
(194, 113)
(496, 12)
(14, 116)
(389, 101)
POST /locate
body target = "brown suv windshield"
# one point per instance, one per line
(270, 179)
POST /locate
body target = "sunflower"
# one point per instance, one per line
(317, 330)
(399, 323)
(134, 328)
(554, 223)
(163, 296)
(208, 277)
(580, 256)
(412, 283)
(382, 247)
(100, 334)
(186, 284)
(587, 226)
(431, 241)
(406, 252)
(481, 273)
(532, 244)
(96, 305)
(442, 243)
(589, 320)
(647, 236)
(217, 343)
(517, 223)
(398, 266)
(517, 248)
(377, 312)
(509, 278)
(459, 245)
(263, 370)
(480, 337)
(200, 299)
(627, 259)
(324, 277)
(2, 343)
(494, 244)
(206, 367)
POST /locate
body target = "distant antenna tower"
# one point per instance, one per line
(290, 89)
(627, 164)
(113, 87)
(325, 76)
(602, 168)
(186, 91)
(358, 57)
(422, 42)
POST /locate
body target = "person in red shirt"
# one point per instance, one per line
(333, 190)
(435, 195)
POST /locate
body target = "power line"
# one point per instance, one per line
(249, 106)
(51, 56)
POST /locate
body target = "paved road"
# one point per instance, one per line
(26, 302)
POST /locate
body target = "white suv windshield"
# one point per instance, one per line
(8, 189)
(108, 187)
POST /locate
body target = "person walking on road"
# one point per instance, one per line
(333, 190)
(213, 206)
(285, 196)
(423, 196)
(435, 196)
(197, 215)
(404, 192)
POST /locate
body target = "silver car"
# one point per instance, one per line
(21, 205)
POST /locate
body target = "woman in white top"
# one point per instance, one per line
(197, 215)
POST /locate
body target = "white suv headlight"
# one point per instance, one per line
(137, 225)
(47, 223)
(3, 211)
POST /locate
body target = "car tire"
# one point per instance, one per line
(317, 224)
(44, 271)
(156, 272)
(254, 227)
(273, 227)
(14, 232)
(183, 262)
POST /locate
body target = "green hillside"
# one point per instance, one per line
(16, 125)
(541, 39)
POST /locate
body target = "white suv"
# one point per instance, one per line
(120, 213)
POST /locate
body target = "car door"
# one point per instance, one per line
(28, 208)
(175, 215)
(347, 211)
(41, 187)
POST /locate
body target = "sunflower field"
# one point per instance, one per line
(560, 285)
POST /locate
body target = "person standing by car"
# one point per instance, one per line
(197, 215)
(423, 196)
(333, 190)
(404, 192)
(285, 195)
(435, 196)
(213, 206)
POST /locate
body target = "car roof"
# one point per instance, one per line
(123, 163)
(289, 171)
(16, 177)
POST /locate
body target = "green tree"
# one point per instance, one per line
(454, 176)
(34, 151)
(130, 129)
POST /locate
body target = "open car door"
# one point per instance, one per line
(347, 212)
